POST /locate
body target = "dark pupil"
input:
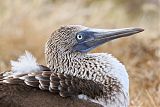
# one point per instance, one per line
(79, 37)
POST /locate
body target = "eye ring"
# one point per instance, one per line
(79, 37)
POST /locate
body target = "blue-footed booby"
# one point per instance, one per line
(72, 71)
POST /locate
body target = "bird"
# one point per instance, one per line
(71, 71)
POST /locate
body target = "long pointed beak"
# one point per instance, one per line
(95, 37)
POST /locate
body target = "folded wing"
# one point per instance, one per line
(56, 83)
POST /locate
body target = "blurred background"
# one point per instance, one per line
(27, 24)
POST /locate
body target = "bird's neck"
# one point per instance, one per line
(101, 68)
(61, 61)
(94, 67)
(86, 66)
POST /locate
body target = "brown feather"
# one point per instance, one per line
(63, 84)
(21, 95)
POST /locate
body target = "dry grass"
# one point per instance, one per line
(25, 25)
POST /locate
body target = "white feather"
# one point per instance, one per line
(83, 97)
(25, 64)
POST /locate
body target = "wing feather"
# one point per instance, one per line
(57, 83)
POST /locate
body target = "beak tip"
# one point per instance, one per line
(138, 30)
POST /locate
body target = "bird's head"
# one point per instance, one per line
(80, 39)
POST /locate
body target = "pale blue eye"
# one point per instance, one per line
(79, 37)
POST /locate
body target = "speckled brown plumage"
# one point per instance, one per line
(64, 85)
